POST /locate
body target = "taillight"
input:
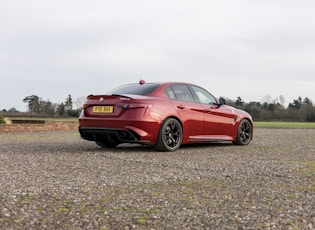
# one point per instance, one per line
(133, 105)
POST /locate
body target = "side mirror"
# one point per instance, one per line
(222, 101)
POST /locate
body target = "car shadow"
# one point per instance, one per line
(128, 148)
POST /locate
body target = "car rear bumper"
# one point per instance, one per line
(122, 130)
(122, 136)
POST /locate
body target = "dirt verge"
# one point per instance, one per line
(32, 126)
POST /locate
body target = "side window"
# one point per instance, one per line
(170, 93)
(183, 93)
(204, 96)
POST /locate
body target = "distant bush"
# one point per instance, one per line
(2, 121)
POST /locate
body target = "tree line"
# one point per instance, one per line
(299, 110)
(36, 105)
(39, 107)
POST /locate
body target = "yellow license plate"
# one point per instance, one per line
(103, 109)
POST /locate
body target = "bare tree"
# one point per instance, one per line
(78, 103)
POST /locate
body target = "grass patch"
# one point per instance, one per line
(285, 125)
(310, 164)
(143, 219)
(2, 121)
(307, 171)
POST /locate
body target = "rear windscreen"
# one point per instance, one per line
(136, 89)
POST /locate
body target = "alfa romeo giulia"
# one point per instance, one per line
(163, 115)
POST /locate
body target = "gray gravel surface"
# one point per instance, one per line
(55, 180)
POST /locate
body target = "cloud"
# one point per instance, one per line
(250, 48)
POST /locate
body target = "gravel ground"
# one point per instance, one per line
(55, 180)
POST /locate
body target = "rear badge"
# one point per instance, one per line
(101, 99)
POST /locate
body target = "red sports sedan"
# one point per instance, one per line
(163, 115)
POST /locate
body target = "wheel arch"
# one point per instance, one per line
(235, 128)
(163, 120)
(239, 136)
(251, 123)
(160, 143)
(174, 117)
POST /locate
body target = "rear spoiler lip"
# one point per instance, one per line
(123, 96)
(109, 95)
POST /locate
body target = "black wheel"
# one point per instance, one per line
(244, 133)
(170, 135)
(106, 144)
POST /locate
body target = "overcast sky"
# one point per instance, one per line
(247, 48)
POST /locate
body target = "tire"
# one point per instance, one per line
(244, 133)
(170, 135)
(105, 144)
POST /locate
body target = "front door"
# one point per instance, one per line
(219, 119)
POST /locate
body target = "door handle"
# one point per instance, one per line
(208, 110)
(181, 107)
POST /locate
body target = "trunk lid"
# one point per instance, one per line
(111, 105)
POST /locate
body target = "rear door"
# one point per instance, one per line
(190, 112)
